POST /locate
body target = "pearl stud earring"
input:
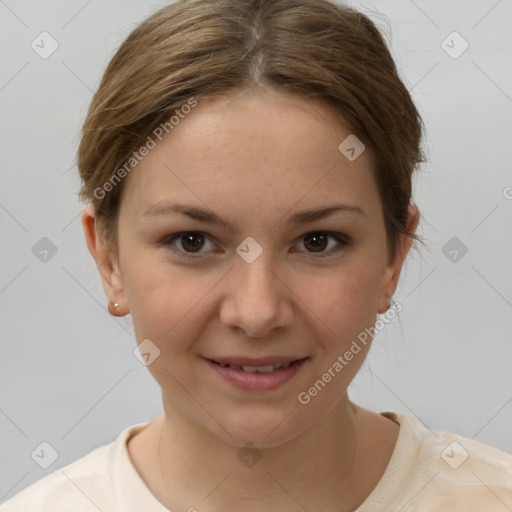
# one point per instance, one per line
(112, 307)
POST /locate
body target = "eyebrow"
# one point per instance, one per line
(205, 215)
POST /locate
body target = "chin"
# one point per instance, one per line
(259, 429)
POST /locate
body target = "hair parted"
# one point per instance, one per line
(192, 49)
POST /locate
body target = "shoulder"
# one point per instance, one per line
(82, 486)
(73, 485)
(450, 471)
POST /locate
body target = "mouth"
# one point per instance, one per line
(257, 366)
(264, 374)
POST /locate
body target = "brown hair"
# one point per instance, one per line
(197, 49)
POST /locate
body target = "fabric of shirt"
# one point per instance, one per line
(429, 470)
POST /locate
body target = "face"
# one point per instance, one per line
(247, 238)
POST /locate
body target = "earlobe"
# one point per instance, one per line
(106, 263)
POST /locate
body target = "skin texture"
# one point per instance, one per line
(254, 158)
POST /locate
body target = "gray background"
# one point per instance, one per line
(68, 373)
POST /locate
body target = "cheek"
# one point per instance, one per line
(345, 301)
(166, 306)
(163, 300)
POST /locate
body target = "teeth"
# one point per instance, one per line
(265, 369)
(250, 369)
(259, 369)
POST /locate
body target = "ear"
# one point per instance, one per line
(106, 262)
(391, 273)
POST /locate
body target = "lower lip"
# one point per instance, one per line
(254, 381)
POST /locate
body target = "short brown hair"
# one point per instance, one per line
(203, 49)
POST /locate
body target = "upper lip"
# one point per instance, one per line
(252, 361)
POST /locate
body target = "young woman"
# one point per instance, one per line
(247, 167)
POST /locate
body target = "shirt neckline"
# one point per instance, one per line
(400, 465)
(132, 493)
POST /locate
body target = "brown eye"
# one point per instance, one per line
(316, 242)
(192, 242)
(189, 244)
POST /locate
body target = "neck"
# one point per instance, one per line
(331, 466)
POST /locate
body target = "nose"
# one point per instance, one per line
(257, 299)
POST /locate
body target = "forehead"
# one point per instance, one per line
(253, 149)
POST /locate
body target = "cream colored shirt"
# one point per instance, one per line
(428, 471)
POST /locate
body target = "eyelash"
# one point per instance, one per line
(342, 242)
